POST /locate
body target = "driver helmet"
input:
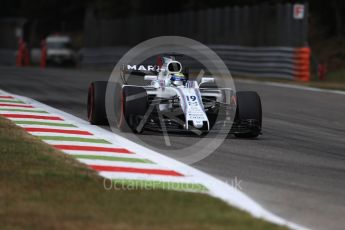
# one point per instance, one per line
(178, 79)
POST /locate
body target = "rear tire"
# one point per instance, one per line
(96, 112)
(249, 108)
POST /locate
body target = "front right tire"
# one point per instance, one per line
(249, 109)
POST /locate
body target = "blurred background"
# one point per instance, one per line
(272, 38)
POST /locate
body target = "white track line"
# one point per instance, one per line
(292, 86)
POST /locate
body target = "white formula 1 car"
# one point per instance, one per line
(171, 102)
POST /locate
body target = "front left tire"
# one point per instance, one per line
(131, 106)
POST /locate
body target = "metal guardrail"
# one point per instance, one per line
(256, 25)
(8, 56)
(277, 62)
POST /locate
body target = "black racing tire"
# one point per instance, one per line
(248, 107)
(133, 104)
(96, 112)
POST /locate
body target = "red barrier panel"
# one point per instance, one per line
(23, 55)
(20, 53)
(321, 71)
(26, 56)
(302, 66)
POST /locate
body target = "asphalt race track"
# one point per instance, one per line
(296, 169)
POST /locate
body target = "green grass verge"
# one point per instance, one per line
(42, 188)
(336, 76)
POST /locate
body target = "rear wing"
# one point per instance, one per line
(152, 70)
(138, 70)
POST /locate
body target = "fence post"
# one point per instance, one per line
(26, 56)
(43, 63)
(20, 53)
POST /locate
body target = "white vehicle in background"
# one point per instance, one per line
(59, 50)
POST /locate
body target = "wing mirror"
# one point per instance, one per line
(150, 77)
(207, 79)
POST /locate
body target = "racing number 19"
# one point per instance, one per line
(192, 98)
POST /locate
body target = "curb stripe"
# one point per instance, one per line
(145, 184)
(111, 158)
(12, 101)
(43, 123)
(135, 170)
(99, 153)
(6, 97)
(32, 116)
(79, 139)
(92, 148)
(23, 110)
(137, 176)
(126, 164)
(128, 173)
(16, 105)
(48, 130)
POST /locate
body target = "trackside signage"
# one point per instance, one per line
(298, 11)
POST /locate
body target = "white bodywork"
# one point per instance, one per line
(189, 94)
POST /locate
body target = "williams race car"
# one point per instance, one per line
(171, 102)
